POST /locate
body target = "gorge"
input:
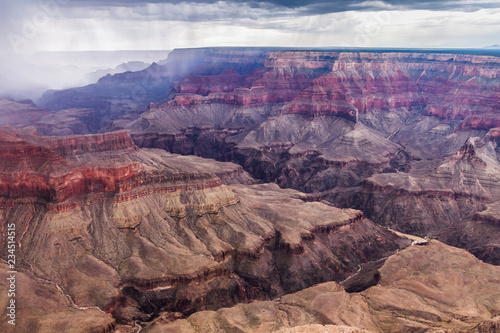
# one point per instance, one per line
(261, 190)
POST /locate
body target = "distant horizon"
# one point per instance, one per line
(490, 47)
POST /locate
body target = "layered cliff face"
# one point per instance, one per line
(290, 104)
(449, 86)
(387, 133)
(139, 232)
(341, 83)
(428, 105)
(71, 147)
(204, 96)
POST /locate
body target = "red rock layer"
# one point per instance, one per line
(81, 144)
(32, 171)
(257, 88)
(203, 85)
(16, 154)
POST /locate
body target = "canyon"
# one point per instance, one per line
(137, 231)
(261, 190)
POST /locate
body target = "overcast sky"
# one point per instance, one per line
(28, 26)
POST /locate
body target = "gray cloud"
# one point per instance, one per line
(253, 10)
(319, 6)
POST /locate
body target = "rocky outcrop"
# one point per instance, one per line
(437, 293)
(63, 176)
(70, 146)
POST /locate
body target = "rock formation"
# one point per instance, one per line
(20, 114)
(446, 199)
(138, 232)
(371, 131)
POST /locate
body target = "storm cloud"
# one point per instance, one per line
(319, 6)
